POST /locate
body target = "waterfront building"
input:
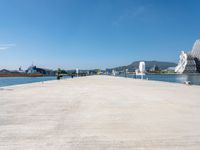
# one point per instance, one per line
(113, 72)
(21, 70)
(154, 68)
(31, 70)
(189, 62)
(35, 70)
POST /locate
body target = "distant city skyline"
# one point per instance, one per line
(91, 34)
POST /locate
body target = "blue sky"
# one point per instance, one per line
(90, 34)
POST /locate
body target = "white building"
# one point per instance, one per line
(189, 62)
(113, 72)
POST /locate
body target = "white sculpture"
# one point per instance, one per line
(141, 71)
(77, 71)
(142, 67)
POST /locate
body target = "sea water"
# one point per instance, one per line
(7, 81)
(176, 78)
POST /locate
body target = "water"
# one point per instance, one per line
(193, 78)
(7, 81)
(176, 78)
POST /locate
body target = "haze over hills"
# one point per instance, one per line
(149, 64)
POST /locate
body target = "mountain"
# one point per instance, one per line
(149, 64)
(4, 71)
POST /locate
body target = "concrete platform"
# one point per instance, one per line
(100, 113)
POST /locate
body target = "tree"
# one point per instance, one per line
(58, 73)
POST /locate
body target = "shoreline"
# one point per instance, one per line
(21, 75)
(27, 82)
(148, 80)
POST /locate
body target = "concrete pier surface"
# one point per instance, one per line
(100, 113)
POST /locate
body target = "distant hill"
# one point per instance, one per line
(149, 64)
(4, 71)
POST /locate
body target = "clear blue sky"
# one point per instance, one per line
(90, 34)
